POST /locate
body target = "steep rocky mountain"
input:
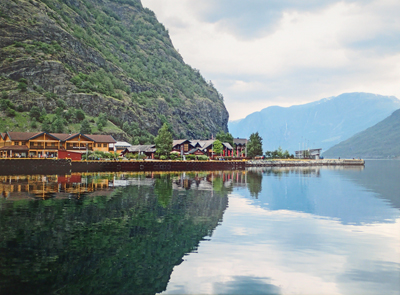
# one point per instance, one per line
(101, 56)
(379, 141)
(320, 124)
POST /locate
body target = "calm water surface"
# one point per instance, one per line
(261, 231)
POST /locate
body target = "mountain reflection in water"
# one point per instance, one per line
(286, 230)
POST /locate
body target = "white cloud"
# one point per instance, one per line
(305, 54)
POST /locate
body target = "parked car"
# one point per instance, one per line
(259, 157)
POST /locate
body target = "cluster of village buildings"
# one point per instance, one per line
(61, 145)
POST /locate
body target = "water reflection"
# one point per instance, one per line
(286, 230)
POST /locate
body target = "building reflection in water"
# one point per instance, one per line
(78, 185)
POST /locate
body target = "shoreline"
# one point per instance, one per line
(66, 166)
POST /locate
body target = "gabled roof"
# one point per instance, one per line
(41, 133)
(227, 145)
(192, 151)
(61, 136)
(176, 142)
(2, 135)
(76, 134)
(241, 141)
(101, 138)
(22, 136)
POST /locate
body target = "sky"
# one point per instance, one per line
(260, 53)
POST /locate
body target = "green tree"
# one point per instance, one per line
(218, 147)
(33, 123)
(58, 125)
(163, 141)
(46, 125)
(80, 115)
(43, 115)
(85, 127)
(225, 137)
(254, 146)
(102, 121)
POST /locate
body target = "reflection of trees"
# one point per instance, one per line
(163, 189)
(254, 180)
(123, 244)
(220, 182)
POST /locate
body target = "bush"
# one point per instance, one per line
(20, 108)
(50, 95)
(162, 157)
(190, 157)
(34, 113)
(11, 112)
(173, 156)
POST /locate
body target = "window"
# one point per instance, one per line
(16, 143)
(104, 145)
(99, 145)
(185, 147)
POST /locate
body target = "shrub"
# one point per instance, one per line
(162, 157)
(34, 113)
(173, 156)
(33, 123)
(22, 86)
(20, 108)
(11, 112)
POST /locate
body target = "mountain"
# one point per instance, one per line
(320, 124)
(379, 141)
(101, 56)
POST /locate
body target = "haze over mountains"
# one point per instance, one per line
(379, 141)
(320, 124)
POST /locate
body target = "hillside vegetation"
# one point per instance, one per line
(379, 141)
(111, 57)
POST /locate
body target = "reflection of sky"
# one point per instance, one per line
(331, 195)
(303, 235)
(291, 252)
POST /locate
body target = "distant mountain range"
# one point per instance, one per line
(379, 141)
(320, 124)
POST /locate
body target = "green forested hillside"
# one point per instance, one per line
(379, 141)
(110, 57)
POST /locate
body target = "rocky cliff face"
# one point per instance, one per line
(103, 56)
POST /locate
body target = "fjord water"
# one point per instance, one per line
(261, 231)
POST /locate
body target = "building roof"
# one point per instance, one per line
(2, 135)
(101, 138)
(240, 141)
(308, 150)
(141, 148)
(15, 148)
(227, 145)
(122, 144)
(22, 135)
(61, 136)
(192, 151)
